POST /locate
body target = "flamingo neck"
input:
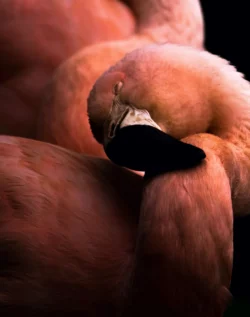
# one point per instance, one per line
(184, 248)
(174, 21)
(230, 105)
(221, 108)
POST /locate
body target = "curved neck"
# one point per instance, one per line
(219, 103)
(184, 250)
(175, 21)
(231, 107)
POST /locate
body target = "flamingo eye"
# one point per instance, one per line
(117, 87)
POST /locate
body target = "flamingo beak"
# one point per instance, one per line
(135, 141)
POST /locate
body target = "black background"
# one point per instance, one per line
(227, 26)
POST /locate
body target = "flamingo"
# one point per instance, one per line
(35, 37)
(63, 118)
(181, 115)
(67, 231)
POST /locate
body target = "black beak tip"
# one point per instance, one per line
(142, 148)
(191, 153)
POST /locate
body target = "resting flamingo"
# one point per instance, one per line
(63, 119)
(67, 231)
(35, 37)
(164, 109)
